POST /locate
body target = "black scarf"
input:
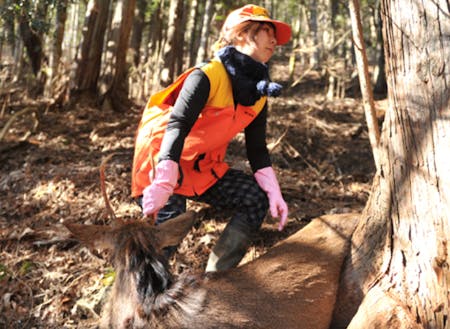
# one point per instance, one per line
(249, 78)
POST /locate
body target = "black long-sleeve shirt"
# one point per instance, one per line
(187, 108)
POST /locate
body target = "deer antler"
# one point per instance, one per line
(115, 221)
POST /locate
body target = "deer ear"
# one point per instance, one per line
(95, 236)
(172, 231)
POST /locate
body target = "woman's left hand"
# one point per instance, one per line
(268, 182)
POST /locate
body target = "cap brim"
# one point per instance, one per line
(282, 30)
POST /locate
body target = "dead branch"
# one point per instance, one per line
(5, 104)
(273, 145)
(296, 82)
(327, 128)
(9, 92)
(291, 150)
(310, 166)
(341, 39)
(14, 117)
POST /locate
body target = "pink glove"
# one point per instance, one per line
(267, 180)
(155, 195)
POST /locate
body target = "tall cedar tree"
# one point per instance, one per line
(397, 275)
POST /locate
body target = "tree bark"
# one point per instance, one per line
(56, 50)
(61, 17)
(295, 44)
(380, 86)
(138, 27)
(172, 45)
(32, 41)
(313, 26)
(155, 30)
(89, 63)
(178, 50)
(191, 35)
(114, 89)
(400, 250)
(9, 33)
(207, 16)
(154, 62)
(32, 18)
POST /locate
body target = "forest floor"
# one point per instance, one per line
(49, 175)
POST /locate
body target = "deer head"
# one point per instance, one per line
(142, 279)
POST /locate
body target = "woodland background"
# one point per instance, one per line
(74, 78)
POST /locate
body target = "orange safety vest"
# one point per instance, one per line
(202, 159)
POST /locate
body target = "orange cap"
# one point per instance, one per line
(258, 14)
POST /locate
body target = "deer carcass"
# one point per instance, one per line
(293, 285)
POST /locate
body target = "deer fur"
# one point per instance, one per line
(293, 285)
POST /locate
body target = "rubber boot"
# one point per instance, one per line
(229, 249)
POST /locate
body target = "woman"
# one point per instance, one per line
(185, 130)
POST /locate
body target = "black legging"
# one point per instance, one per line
(236, 191)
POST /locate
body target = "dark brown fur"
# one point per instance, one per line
(144, 281)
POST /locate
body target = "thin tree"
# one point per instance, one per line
(207, 16)
(313, 25)
(56, 50)
(138, 28)
(295, 42)
(7, 25)
(364, 79)
(153, 52)
(380, 84)
(114, 87)
(190, 36)
(171, 47)
(89, 62)
(179, 39)
(32, 38)
(398, 273)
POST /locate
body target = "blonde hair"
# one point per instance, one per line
(229, 36)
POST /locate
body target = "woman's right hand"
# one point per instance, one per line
(155, 195)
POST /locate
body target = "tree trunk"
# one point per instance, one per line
(61, 17)
(191, 32)
(178, 51)
(32, 41)
(56, 51)
(9, 33)
(138, 27)
(313, 26)
(304, 35)
(171, 46)
(207, 16)
(295, 45)
(397, 275)
(70, 50)
(380, 86)
(89, 63)
(114, 89)
(154, 63)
